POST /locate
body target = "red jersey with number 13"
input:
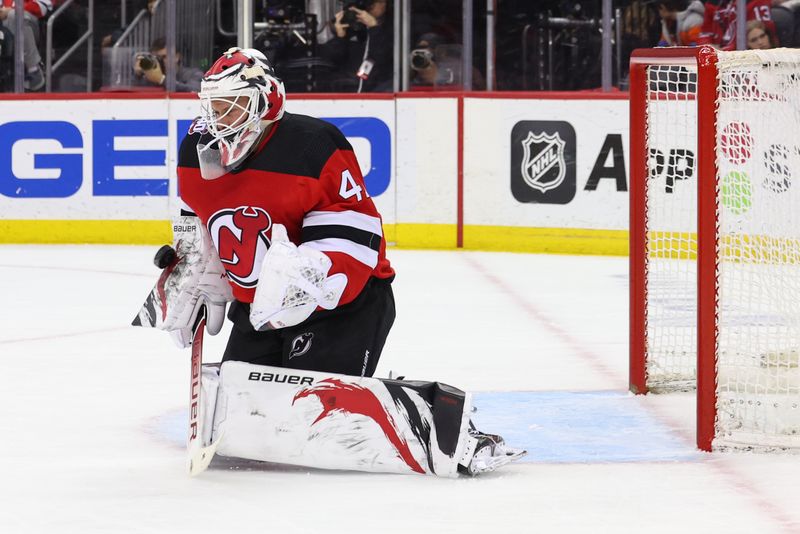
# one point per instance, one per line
(719, 21)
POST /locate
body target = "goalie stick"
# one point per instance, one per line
(151, 314)
(199, 456)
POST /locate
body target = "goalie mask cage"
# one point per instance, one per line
(715, 239)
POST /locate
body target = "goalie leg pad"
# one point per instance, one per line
(208, 401)
(332, 421)
(205, 388)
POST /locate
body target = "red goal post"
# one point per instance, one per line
(714, 239)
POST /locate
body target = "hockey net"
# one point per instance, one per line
(716, 303)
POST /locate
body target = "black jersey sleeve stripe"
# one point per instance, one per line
(356, 235)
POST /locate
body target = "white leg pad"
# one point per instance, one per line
(210, 390)
(330, 421)
(201, 448)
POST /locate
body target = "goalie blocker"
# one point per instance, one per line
(333, 421)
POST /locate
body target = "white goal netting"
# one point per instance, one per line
(758, 256)
(671, 212)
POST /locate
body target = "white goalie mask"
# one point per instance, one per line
(239, 97)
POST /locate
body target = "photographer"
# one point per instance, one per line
(151, 69)
(362, 47)
(438, 66)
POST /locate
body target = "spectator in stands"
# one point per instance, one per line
(758, 38)
(640, 25)
(641, 28)
(152, 67)
(362, 48)
(786, 16)
(437, 66)
(681, 21)
(719, 22)
(35, 10)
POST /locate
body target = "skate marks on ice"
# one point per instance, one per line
(554, 427)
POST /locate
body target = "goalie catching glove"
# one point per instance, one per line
(198, 278)
(192, 277)
(292, 283)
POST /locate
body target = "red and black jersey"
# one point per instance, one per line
(37, 8)
(303, 175)
(719, 22)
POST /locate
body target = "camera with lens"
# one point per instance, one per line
(287, 31)
(350, 17)
(421, 58)
(426, 51)
(284, 11)
(148, 61)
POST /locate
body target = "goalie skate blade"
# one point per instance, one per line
(492, 463)
(200, 459)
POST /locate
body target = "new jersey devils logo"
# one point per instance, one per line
(241, 238)
(301, 344)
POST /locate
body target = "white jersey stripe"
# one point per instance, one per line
(183, 207)
(365, 255)
(344, 218)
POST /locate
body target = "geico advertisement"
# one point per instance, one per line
(546, 163)
(113, 159)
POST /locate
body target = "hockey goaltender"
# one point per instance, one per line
(276, 220)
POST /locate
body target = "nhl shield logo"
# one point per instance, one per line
(543, 166)
(543, 162)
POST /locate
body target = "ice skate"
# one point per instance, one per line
(485, 453)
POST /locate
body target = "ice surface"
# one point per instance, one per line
(92, 412)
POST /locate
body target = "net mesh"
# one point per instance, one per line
(758, 376)
(671, 228)
(758, 309)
